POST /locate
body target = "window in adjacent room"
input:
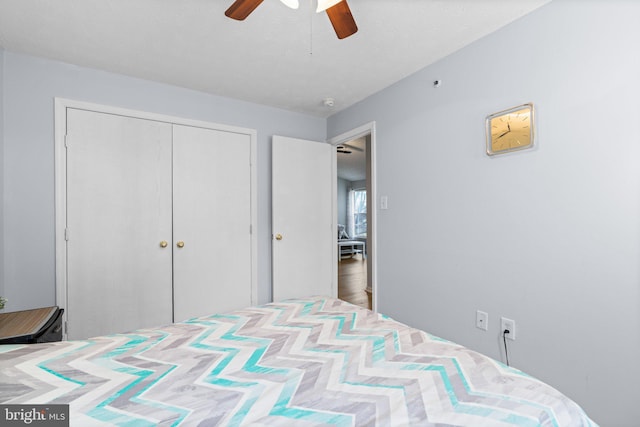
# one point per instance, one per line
(360, 212)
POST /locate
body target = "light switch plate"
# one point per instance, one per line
(383, 202)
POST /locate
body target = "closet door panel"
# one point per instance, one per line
(212, 217)
(118, 213)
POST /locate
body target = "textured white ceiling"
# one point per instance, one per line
(285, 58)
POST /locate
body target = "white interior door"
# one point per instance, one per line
(118, 213)
(212, 218)
(302, 213)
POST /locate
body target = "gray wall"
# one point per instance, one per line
(2, 204)
(359, 185)
(342, 195)
(548, 237)
(30, 85)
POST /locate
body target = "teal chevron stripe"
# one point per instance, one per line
(242, 413)
(283, 323)
(293, 377)
(59, 375)
(378, 341)
(476, 409)
(313, 361)
(5, 348)
(134, 341)
(378, 355)
(282, 409)
(322, 418)
(467, 387)
(231, 352)
(123, 420)
(306, 305)
(103, 413)
(255, 389)
(43, 365)
(251, 365)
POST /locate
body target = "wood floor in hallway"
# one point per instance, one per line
(352, 281)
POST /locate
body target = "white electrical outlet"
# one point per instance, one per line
(510, 325)
(482, 320)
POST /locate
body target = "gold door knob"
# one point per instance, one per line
(278, 236)
(163, 244)
(180, 244)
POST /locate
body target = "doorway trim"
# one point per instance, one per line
(368, 129)
(60, 177)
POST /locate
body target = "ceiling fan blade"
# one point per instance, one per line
(342, 20)
(240, 9)
(353, 147)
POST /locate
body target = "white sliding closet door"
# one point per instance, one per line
(212, 217)
(118, 211)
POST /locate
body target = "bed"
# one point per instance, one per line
(305, 362)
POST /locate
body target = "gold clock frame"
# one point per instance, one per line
(510, 130)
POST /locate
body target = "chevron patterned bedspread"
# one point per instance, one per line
(311, 362)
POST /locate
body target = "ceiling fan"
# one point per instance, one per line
(337, 10)
(347, 149)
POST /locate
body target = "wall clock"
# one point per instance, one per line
(510, 130)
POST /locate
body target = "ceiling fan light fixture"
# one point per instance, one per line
(326, 4)
(293, 4)
(338, 12)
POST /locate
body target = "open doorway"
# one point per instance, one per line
(354, 212)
